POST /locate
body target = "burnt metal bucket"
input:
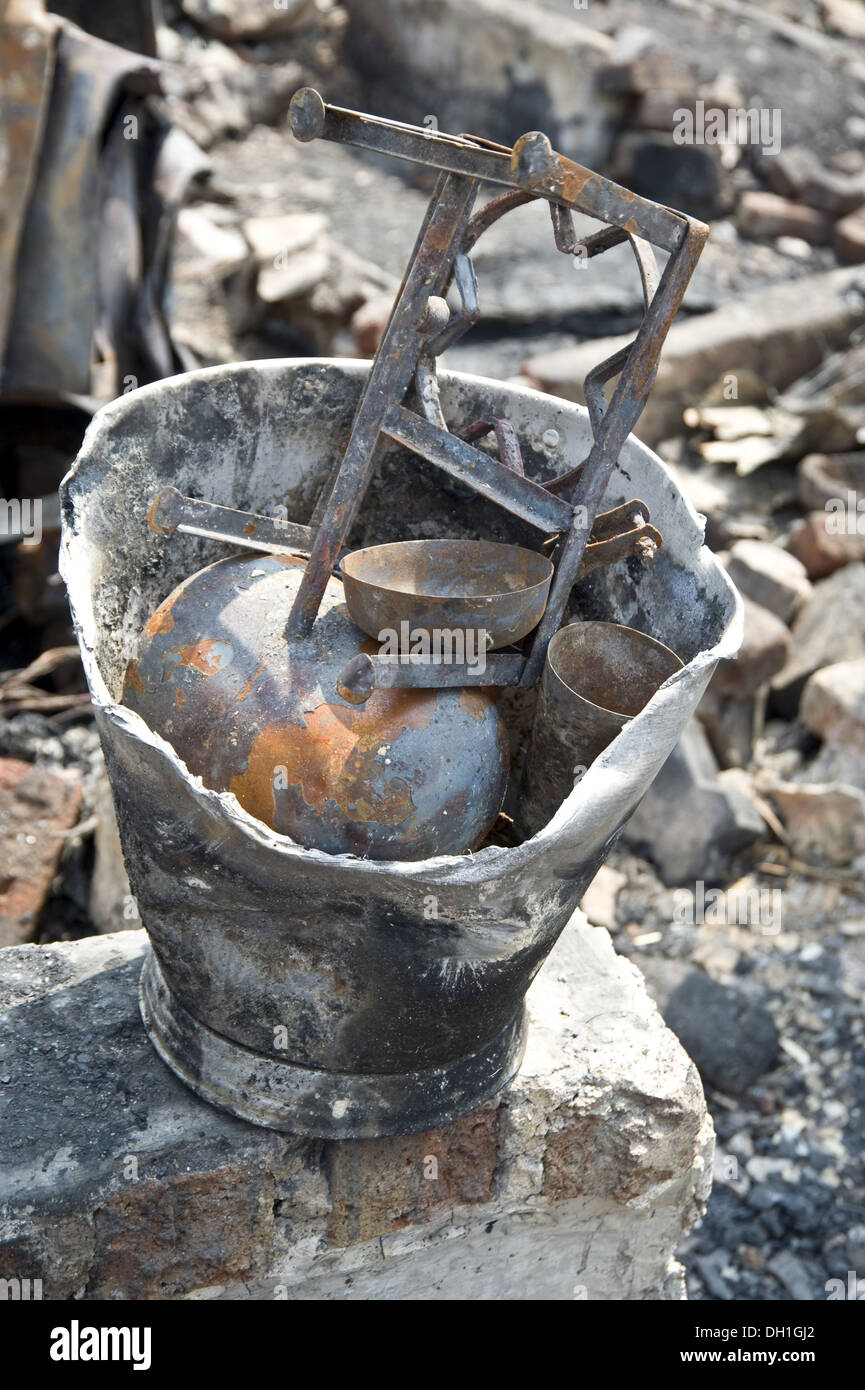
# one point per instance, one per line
(329, 994)
(597, 676)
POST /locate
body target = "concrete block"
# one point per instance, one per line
(117, 1182)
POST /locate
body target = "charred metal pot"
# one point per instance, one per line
(405, 774)
(329, 994)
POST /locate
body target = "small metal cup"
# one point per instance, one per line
(596, 677)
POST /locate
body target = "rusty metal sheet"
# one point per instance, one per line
(56, 310)
(26, 68)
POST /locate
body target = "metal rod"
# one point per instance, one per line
(388, 381)
(628, 400)
(480, 471)
(364, 674)
(170, 511)
(532, 165)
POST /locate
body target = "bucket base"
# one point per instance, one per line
(320, 1104)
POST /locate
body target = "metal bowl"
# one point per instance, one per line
(460, 585)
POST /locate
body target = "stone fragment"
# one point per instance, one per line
(855, 1247)
(730, 1036)
(829, 477)
(824, 823)
(765, 650)
(847, 161)
(369, 322)
(111, 904)
(770, 576)
(640, 65)
(599, 903)
(217, 251)
(291, 277)
(280, 238)
(778, 334)
(794, 247)
(732, 725)
(292, 253)
(829, 628)
(833, 705)
(654, 164)
(709, 1268)
(849, 237)
(790, 1272)
(237, 19)
(797, 173)
(766, 215)
(844, 17)
(822, 543)
(659, 108)
(37, 806)
(690, 822)
(307, 279)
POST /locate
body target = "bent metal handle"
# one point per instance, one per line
(532, 165)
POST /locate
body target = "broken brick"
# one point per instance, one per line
(37, 806)
(767, 215)
(849, 237)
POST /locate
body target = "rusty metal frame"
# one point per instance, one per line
(413, 338)
(566, 509)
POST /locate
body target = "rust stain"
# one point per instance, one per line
(180, 698)
(151, 518)
(209, 655)
(133, 679)
(335, 758)
(573, 180)
(247, 689)
(162, 621)
(251, 529)
(474, 703)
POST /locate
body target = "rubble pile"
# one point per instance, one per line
(739, 884)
